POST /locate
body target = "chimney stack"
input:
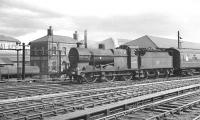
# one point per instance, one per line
(85, 38)
(75, 35)
(50, 31)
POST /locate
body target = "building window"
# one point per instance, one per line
(32, 52)
(54, 66)
(35, 64)
(35, 51)
(27, 51)
(54, 50)
(43, 53)
(64, 51)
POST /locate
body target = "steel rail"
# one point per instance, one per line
(81, 93)
(23, 91)
(113, 90)
(161, 109)
(106, 109)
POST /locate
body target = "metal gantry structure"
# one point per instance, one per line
(23, 59)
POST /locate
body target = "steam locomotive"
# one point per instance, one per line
(128, 62)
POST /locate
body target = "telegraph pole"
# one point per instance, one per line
(179, 42)
(18, 49)
(59, 62)
(23, 61)
(85, 38)
(17, 63)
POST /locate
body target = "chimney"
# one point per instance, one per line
(75, 35)
(85, 38)
(50, 31)
(78, 44)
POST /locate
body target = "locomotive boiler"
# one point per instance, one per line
(85, 64)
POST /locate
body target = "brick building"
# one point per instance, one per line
(50, 53)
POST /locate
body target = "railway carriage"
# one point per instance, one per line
(11, 71)
(185, 61)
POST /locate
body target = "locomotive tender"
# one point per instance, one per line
(127, 62)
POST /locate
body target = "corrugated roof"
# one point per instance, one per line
(142, 42)
(5, 61)
(7, 38)
(56, 38)
(158, 42)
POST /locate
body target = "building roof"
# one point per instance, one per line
(111, 43)
(158, 42)
(5, 61)
(55, 38)
(8, 39)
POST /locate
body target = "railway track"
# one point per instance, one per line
(33, 90)
(45, 106)
(13, 90)
(183, 107)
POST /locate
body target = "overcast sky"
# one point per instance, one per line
(129, 19)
